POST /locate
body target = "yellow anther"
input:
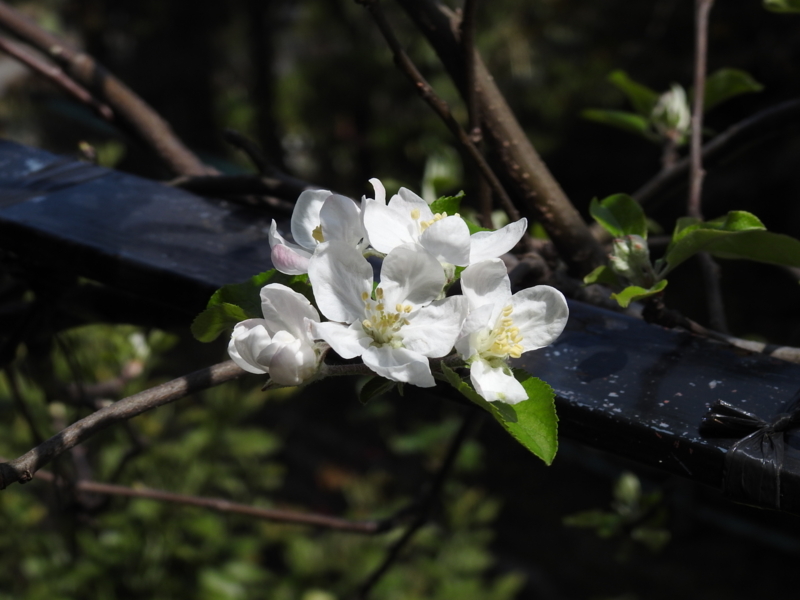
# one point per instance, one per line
(508, 310)
(379, 307)
(517, 339)
(317, 234)
(407, 308)
(364, 296)
(507, 322)
(379, 293)
(398, 308)
(415, 214)
(366, 324)
(515, 352)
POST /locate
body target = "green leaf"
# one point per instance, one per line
(214, 320)
(374, 387)
(634, 292)
(221, 309)
(602, 274)
(620, 215)
(533, 422)
(627, 121)
(727, 83)
(474, 227)
(447, 204)
(782, 6)
(752, 244)
(641, 97)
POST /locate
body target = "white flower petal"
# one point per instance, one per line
(487, 282)
(540, 313)
(340, 219)
(399, 364)
(339, 275)
(448, 240)
(248, 339)
(348, 341)
(380, 191)
(477, 321)
(496, 383)
(287, 257)
(411, 198)
(432, 330)
(491, 244)
(285, 309)
(386, 228)
(305, 217)
(411, 275)
(291, 362)
(289, 261)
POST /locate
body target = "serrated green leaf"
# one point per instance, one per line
(641, 97)
(727, 83)
(374, 387)
(627, 121)
(533, 422)
(207, 326)
(602, 274)
(620, 215)
(783, 6)
(447, 204)
(634, 292)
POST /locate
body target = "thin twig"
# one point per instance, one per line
(714, 300)
(702, 10)
(226, 506)
(439, 106)
(710, 268)
(777, 119)
(57, 76)
(22, 469)
(425, 507)
(127, 106)
(250, 148)
(277, 186)
(656, 312)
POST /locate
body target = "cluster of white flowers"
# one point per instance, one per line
(398, 325)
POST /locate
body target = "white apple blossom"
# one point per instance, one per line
(500, 326)
(396, 328)
(318, 216)
(408, 219)
(280, 344)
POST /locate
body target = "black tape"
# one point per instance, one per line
(753, 464)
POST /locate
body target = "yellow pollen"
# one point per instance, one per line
(415, 214)
(406, 308)
(364, 296)
(379, 293)
(508, 310)
(366, 323)
(379, 307)
(317, 234)
(398, 308)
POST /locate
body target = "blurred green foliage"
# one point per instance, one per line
(59, 543)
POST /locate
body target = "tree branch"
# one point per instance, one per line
(22, 469)
(523, 171)
(57, 76)
(226, 506)
(439, 106)
(127, 106)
